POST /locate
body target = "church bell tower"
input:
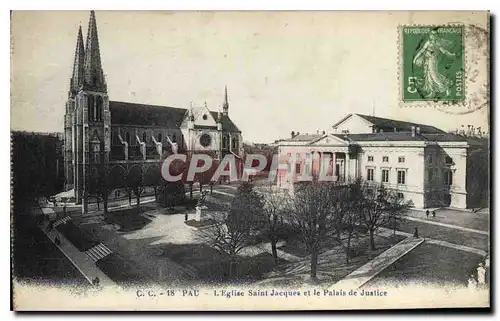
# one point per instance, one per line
(89, 127)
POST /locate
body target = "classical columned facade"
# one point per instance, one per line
(428, 169)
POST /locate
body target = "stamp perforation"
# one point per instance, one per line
(462, 103)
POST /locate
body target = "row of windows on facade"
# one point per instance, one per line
(401, 159)
(370, 174)
(159, 138)
(385, 159)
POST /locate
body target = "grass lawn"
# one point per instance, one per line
(430, 264)
(128, 219)
(195, 223)
(212, 266)
(471, 239)
(332, 265)
(120, 271)
(76, 236)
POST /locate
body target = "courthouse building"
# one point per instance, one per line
(126, 140)
(423, 163)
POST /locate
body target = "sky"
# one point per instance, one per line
(285, 71)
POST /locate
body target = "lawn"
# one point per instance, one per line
(128, 219)
(471, 239)
(121, 271)
(332, 265)
(198, 224)
(212, 266)
(76, 236)
(430, 264)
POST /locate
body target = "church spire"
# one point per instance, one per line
(94, 75)
(225, 105)
(76, 80)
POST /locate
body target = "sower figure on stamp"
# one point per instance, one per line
(427, 58)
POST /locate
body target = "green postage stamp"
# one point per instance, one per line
(432, 63)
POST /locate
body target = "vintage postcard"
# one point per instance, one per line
(259, 160)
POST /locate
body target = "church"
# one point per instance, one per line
(123, 141)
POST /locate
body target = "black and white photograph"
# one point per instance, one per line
(250, 160)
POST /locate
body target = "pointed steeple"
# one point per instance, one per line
(225, 105)
(76, 80)
(94, 75)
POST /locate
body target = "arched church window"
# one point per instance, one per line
(159, 138)
(224, 142)
(99, 108)
(174, 138)
(235, 143)
(144, 137)
(127, 137)
(90, 108)
(96, 149)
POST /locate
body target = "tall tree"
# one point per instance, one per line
(379, 205)
(310, 213)
(275, 203)
(234, 229)
(397, 206)
(346, 208)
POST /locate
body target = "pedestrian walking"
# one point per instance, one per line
(427, 213)
(433, 213)
(472, 283)
(415, 234)
(481, 274)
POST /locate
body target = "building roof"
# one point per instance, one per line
(125, 113)
(227, 123)
(303, 138)
(392, 123)
(402, 136)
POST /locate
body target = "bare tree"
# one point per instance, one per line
(397, 206)
(234, 229)
(346, 209)
(227, 236)
(310, 213)
(275, 204)
(135, 184)
(378, 206)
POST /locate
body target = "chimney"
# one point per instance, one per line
(412, 131)
(418, 130)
